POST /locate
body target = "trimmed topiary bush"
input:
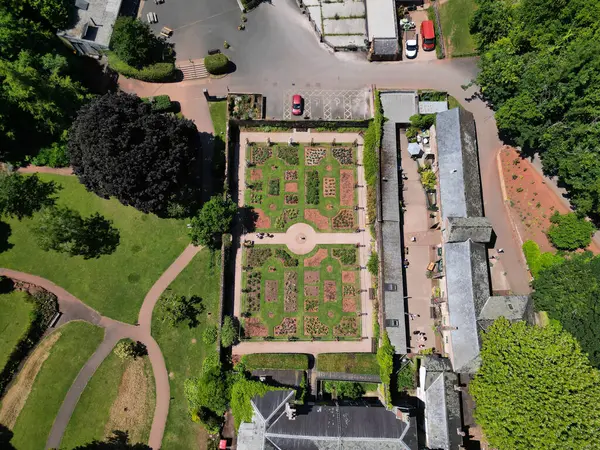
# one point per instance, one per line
(217, 64)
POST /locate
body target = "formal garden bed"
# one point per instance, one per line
(245, 106)
(315, 184)
(289, 361)
(360, 363)
(289, 296)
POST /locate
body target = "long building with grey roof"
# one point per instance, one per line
(470, 308)
(279, 424)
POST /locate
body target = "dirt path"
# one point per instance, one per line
(73, 308)
(45, 169)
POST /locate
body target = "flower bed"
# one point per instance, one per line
(330, 291)
(348, 326)
(245, 106)
(347, 256)
(253, 327)
(328, 187)
(288, 326)
(311, 304)
(291, 199)
(289, 155)
(349, 304)
(311, 277)
(287, 259)
(343, 155)
(290, 175)
(290, 291)
(314, 327)
(271, 290)
(256, 257)
(260, 155)
(312, 187)
(274, 187)
(313, 156)
(343, 220)
(346, 187)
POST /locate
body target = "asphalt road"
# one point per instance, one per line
(279, 53)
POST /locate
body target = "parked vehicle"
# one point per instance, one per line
(428, 35)
(411, 44)
(297, 105)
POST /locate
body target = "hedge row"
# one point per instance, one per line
(45, 308)
(361, 363)
(291, 361)
(251, 4)
(372, 142)
(155, 73)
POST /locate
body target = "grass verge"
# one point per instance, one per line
(16, 317)
(454, 17)
(183, 347)
(93, 411)
(218, 115)
(289, 361)
(361, 363)
(76, 344)
(116, 284)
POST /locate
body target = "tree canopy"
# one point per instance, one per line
(569, 232)
(21, 196)
(569, 292)
(120, 148)
(536, 389)
(134, 43)
(63, 230)
(38, 94)
(540, 70)
(212, 221)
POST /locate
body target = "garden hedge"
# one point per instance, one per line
(158, 72)
(290, 361)
(46, 306)
(217, 64)
(251, 4)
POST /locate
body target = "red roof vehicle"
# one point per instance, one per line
(296, 105)
(428, 35)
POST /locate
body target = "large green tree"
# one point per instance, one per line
(536, 390)
(21, 196)
(120, 148)
(569, 292)
(540, 71)
(134, 42)
(212, 221)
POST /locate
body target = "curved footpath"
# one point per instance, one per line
(75, 309)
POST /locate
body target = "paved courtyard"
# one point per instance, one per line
(330, 104)
(301, 239)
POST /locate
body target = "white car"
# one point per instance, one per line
(412, 46)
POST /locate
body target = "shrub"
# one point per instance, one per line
(373, 264)
(289, 361)
(217, 64)
(160, 103)
(177, 309)
(242, 392)
(228, 332)
(251, 4)
(158, 72)
(344, 389)
(422, 121)
(312, 187)
(428, 180)
(273, 188)
(126, 349)
(569, 232)
(406, 378)
(385, 358)
(54, 156)
(209, 335)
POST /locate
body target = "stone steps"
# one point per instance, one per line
(193, 71)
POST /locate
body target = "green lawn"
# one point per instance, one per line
(278, 186)
(183, 348)
(93, 409)
(218, 114)
(269, 303)
(455, 16)
(362, 363)
(15, 318)
(290, 361)
(76, 344)
(114, 284)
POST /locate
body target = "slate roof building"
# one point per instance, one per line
(438, 389)
(469, 307)
(276, 425)
(382, 27)
(91, 32)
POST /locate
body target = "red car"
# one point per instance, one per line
(297, 105)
